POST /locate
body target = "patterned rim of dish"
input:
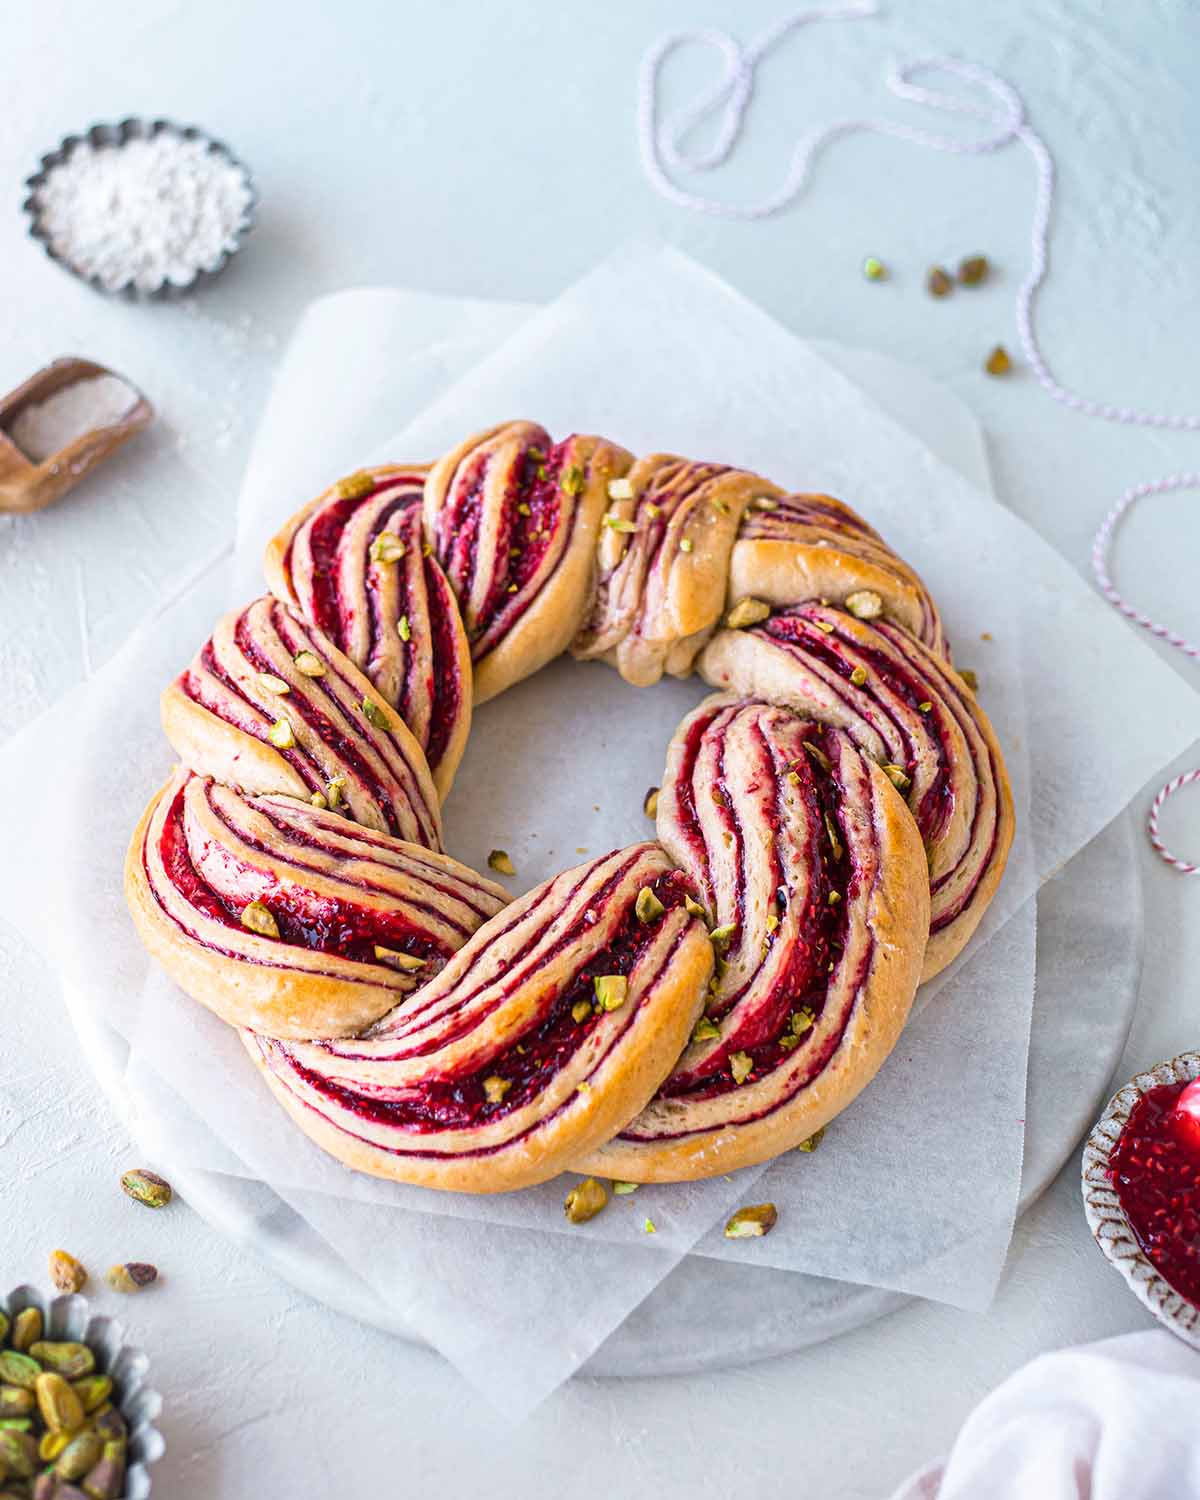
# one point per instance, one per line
(130, 129)
(1106, 1218)
(71, 1319)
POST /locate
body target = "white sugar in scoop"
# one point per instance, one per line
(85, 406)
(144, 212)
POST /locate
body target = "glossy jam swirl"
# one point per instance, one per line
(265, 668)
(358, 567)
(1155, 1170)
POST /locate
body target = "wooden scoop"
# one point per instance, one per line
(27, 486)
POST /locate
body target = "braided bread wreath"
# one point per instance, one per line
(831, 826)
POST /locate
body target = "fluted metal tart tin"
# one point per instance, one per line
(71, 1319)
(134, 128)
(1107, 1218)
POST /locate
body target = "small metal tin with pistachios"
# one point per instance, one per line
(77, 1414)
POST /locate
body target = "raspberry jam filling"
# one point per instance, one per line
(1155, 1171)
(474, 1098)
(324, 535)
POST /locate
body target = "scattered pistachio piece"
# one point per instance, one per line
(499, 861)
(387, 548)
(495, 1088)
(794, 777)
(623, 1189)
(969, 678)
(834, 897)
(355, 486)
(752, 1222)
(858, 676)
(308, 664)
(335, 790)
(612, 991)
(585, 1200)
(874, 270)
(747, 611)
(620, 489)
(273, 684)
(693, 908)
(740, 1065)
(648, 1226)
(319, 801)
(813, 1141)
(147, 1187)
(650, 803)
(864, 604)
(281, 734)
(788, 1042)
(924, 707)
(651, 510)
(131, 1276)
(898, 777)
(973, 269)
(705, 1030)
(686, 544)
(814, 752)
(572, 480)
(580, 1011)
(523, 509)
(67, 1274)
(772, 921)
(938, 283)
(537, 454)
(720, 506)
(998, 361)
(619, 523)
(824, 626)
(583, 1088)
(374, 714)
(257, 917)
(765, 502)
(801, 1021)
(403, 628)
(721, 937)
(648, 908)
(408, 962)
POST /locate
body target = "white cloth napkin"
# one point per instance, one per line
(1117, 1420)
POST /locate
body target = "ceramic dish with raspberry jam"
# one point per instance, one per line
(1141, 1190)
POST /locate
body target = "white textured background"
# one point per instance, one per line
(488, 150)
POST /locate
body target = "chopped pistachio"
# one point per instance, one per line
(823, 626)
(499, 861)
(794, 777)
(789, 1042)
(426, 549)
(938, 283)
(319, 801)
(720, 506)
(354, 486)
(686, 544)
(858, 676)
(618, 523)
(765, 502)
(623, 1189)
(834, 897)
(835, 843)
(495, 1088)
(973, 269)
(815, 753)
(650, 803)
(864, 604)
(752, 1222)
(403, 628)
(536, 453)
(260, 919)
(772, 921)
(813, 1141)
(583, 1088)
(281, 734)
(374, 714)
(705, 1030)
(580, 1011)
(335, 790)
(969, 678)
(585, 1200)
(898, 777)
(572, 480)
(721, 937)
(387, 548)
(523, 509)
(998, 362)
(874, 270)
(512, 588)
(648, 908)
(801, 1021)
(620, 489)
(651, 510)
(273, 684)
(693, 908)
(308, 664)
(718, 796)
(612, 991)
(740, 1065)
(747, 611)
(924, 707)
(397, 960)
(648, 1226)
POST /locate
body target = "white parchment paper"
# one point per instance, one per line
(915, 1186)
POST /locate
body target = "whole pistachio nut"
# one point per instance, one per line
(131, 1276)
(585, 1200)
(46, 1486)
(110, 1424)
(752, 1222)
(27, 1328)
(66, 1359)
(105, 1481)
(18, 1369)
(15, 1402)
(93, 1391)
(16, 1424)
(51, 1445)
(67, 1274)
(82, 1454)
(147, 1187)
(61, 1408)
(3, 1326)
(18, 1455)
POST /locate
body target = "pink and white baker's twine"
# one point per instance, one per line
(665, 150)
